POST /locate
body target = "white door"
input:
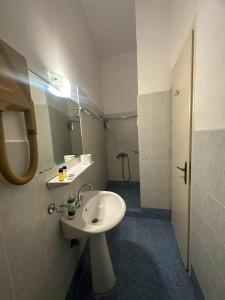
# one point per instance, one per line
(181, 146)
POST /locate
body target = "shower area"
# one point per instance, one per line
(121, 134)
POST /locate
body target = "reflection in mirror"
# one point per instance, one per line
(58, 124)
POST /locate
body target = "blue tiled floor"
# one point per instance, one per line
(130, 191)
(146, 262)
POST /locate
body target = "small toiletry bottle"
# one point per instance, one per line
(65, 171)
(61, 174)
(71, 206)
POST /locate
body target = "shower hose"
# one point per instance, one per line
(123, 155)
(128, 167)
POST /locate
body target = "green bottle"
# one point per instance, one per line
(71, 206)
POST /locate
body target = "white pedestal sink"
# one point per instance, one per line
(100, 212)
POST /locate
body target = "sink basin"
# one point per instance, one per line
(100, 211)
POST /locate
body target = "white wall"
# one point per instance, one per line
(153, 45)
(162, 27)
(208, 194)
(119, 83)
(51, 36)
(209, 56)
(156, 58)
(112, 24)
(183, 15)
(55, 37)
(210, 66)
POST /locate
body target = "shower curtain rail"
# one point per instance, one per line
(121, 117)
(91, 114)
(100, 117)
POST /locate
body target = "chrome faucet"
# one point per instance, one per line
(79, 201)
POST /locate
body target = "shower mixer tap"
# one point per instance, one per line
(121, 154)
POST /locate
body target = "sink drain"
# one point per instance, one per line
(95, 220)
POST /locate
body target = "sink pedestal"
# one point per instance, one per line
(103, 278)
(100, 212)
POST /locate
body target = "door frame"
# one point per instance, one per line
(191, 145)
(192, 111)
(193, 33)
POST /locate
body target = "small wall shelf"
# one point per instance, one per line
(73, 173)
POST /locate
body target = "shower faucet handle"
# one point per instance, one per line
(121, 154)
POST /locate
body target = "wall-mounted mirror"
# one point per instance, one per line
(58, 124)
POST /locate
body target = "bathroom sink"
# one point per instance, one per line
(100, 211)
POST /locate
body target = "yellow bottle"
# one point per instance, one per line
(61, 175)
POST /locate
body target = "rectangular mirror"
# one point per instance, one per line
(58, 124)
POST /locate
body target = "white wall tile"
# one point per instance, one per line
(208, 212)
(198, 262)
(154, 132)
(41, 261)
(6, 296)
(122, 136)
(5, 282)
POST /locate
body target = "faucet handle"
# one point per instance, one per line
(52, 208)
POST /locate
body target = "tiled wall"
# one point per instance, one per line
(208, 212)
(35, 261)
(154, 132)
(122, 136)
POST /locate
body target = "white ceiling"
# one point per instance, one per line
(112, 25)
